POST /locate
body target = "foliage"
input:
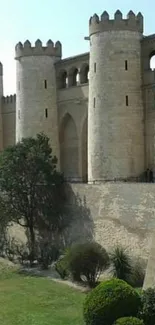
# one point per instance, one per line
(109, 301)
(4, 223)
(17, 252)
(147, 312)
(87, 261)
(32, 188)
(121, 264)
(23, 253)
(129, 321)
(61, 266)
(47, 253)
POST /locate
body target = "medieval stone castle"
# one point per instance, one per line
(98, 108)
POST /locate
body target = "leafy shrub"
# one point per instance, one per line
(121, 264)
(109, 301)
(147, 312)
(129, 321)
(22, 252)
(86, 262)
(47, 253)
(61, 267)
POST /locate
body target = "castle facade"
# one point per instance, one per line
(97, 108)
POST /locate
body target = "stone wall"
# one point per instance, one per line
(9, 120)
(72, 119)
(114, 213)
(72, 101)
(148, 49)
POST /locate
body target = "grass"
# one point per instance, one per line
(37, 301)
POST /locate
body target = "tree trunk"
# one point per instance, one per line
(32, 245)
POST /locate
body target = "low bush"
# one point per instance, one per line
(129, 321)
(22, 252)
(109, 301)
(61, 267)
(147, 312)
(86, 262)
(121, 264)
(47, 253)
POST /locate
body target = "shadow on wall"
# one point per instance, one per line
(82, 226)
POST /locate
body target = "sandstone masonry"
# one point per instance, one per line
(97, 108)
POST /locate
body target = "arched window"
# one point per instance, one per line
(88, 75)
(73, 77)
(63, 79)
(152, 61)
(84, 74)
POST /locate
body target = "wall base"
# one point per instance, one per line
(114, 214)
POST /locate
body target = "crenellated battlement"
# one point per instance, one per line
(100, 24)
(9, 99)
(27, 49)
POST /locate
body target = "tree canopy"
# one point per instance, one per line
(31, 186)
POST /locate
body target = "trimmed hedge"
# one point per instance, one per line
(109, 301)
(129, 321)
(147, 312)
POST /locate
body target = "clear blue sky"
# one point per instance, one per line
(63, 20)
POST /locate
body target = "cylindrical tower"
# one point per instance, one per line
(36, 104)
(115, 112)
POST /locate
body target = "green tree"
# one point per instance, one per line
(32, 187)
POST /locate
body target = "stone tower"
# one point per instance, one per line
(115, 112)
(36, 106)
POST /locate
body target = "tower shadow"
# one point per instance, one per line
(81, 228)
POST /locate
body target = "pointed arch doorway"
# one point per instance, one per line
(85, 151)
(69, 157)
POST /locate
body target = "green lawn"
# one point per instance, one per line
(38, 301)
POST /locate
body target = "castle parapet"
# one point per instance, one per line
(101, 24)
(27, 49)
(9, 99)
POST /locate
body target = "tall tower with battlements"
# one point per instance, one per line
(36, 105)
(115, 112)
